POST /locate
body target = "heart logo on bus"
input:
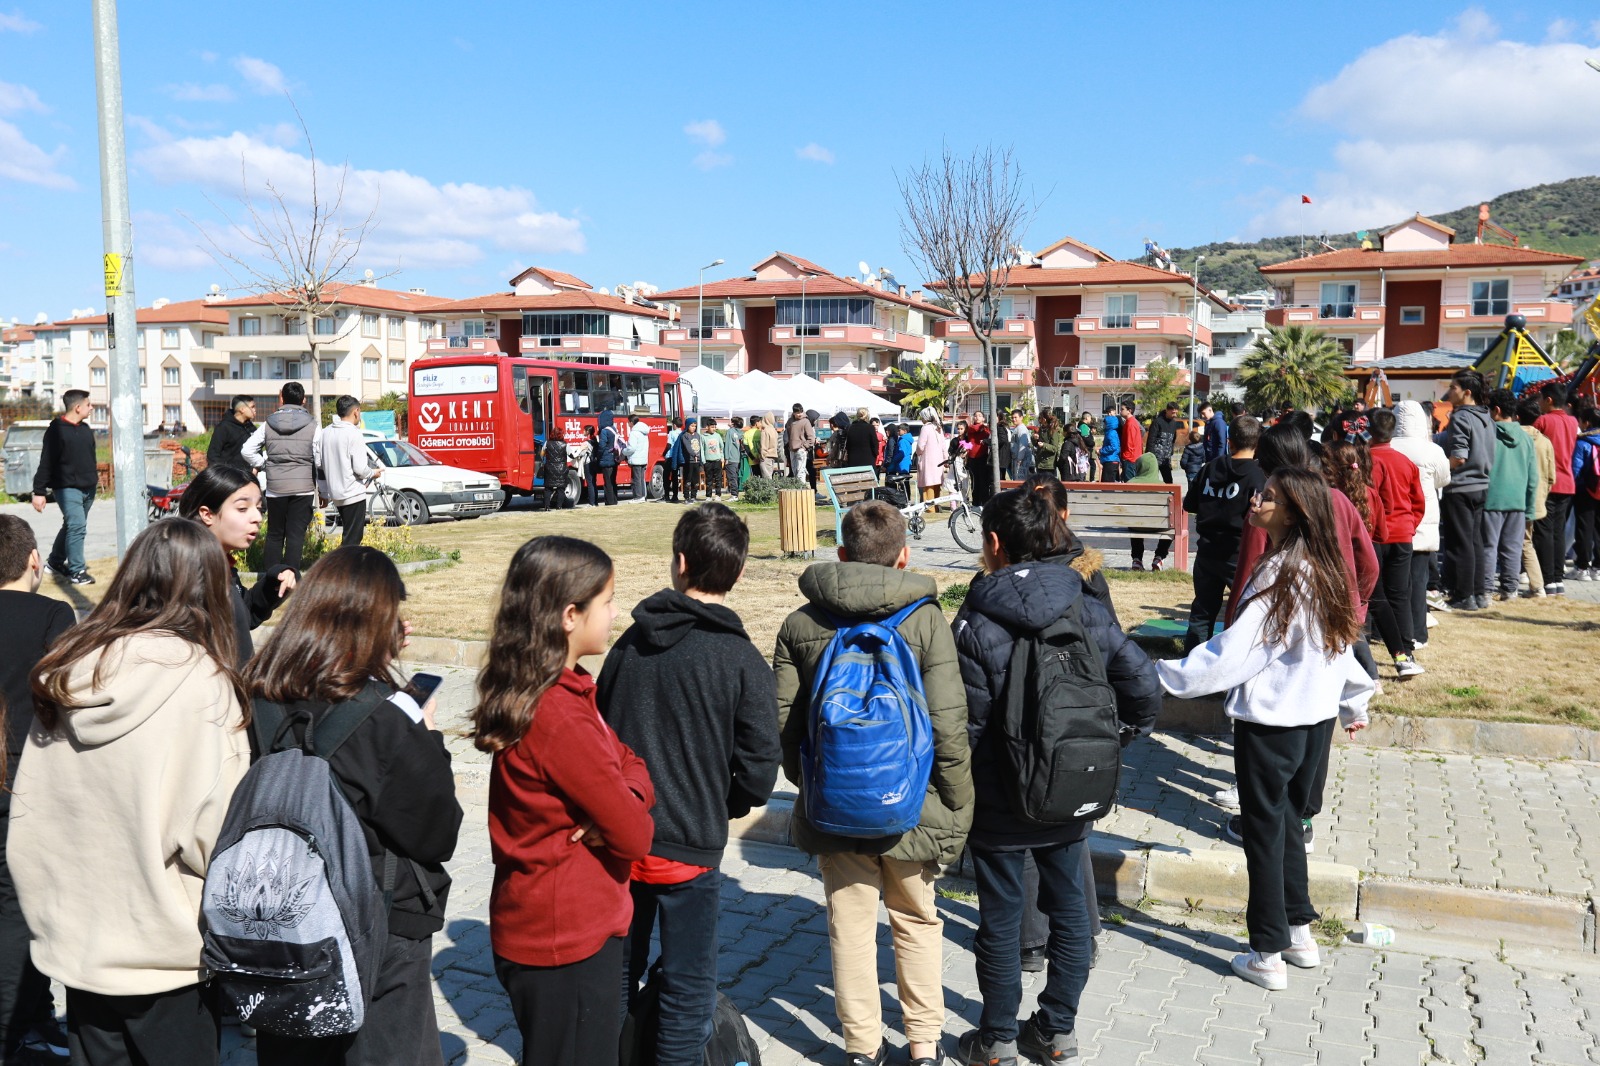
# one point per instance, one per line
(431, 416)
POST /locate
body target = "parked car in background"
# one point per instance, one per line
(416, 488)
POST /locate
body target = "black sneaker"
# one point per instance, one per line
(1062, 1047)
(1033, 960)
(857, 1059)
(969, 1052)
(82, 577)
(1235, 829)
(55, 572)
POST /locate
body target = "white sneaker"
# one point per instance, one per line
(1418, 645)
(1302, 950)
(1228, 797)
(1273, 976)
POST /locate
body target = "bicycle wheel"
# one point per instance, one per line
(966, 526)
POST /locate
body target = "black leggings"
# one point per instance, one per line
(568, 1015)
(1277, 770)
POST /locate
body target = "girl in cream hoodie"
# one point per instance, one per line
(1287, 666)
(137, 747)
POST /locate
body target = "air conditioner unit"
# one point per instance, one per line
(1063, 375)
(793, 351)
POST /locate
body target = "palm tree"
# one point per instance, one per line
(928, 383)
(1294, 365)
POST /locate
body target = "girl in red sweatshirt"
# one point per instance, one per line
(569, 805)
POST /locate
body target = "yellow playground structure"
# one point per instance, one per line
(1516, 362)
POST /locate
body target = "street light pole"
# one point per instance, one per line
(127, 417)
(700, 313)
(1194, 333)
(800, 330)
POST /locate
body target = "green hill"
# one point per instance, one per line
(1561, 217)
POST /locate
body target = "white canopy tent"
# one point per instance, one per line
(849, 396)
(714, 393)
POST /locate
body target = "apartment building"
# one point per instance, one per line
(1418, 290)
(17, 365)
(791, 316)
(1234, 333)
(1078, 330)
(364, 347)
(550, 314)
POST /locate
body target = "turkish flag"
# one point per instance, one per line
(1305, 199)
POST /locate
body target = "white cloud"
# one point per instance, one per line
(263, 77)
(168, 244)
(208, 57)
(16, 22)
(22, 160)
(709, 160)
(814, 153)
(193, 92)
(411, 212)
(14, 98)
(1432, 123)
(708, 132)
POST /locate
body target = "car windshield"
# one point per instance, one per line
(399, 453)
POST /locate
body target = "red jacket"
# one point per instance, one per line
(554, 901)
(1562, 429)
(1361, 562)
(1132, 440)
(1399, 485)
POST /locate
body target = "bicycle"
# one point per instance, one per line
(966, 520)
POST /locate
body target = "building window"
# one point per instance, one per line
(327, 327)
(717, 361)
(250, 369)
(397, 328)
(99, 414)
(369, 325)
(472, 327)
(369, 370)
(1412, 316)
(427, 329)
(815, 363)
(210, 340)
(294, 326)
(249, 327)
(172, 414)
(1478, 343)
(97, 375)
(1063, 326)
(572, 324)
(169, 376)
(1120, 311)
(1338, 299)
(841, 311)
(325, 369)
(1002, 359)
(292, 369)
(141, 377)
(97, 338)
(1119, 361)
(952, 352)
(1491, 297)
(169, 338)
(1349, 346)
(397, 370)
(710, 318)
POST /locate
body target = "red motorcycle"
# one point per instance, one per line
(163, 502)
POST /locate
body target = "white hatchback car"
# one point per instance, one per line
(415, 487)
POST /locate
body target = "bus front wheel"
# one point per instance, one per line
(658, 481)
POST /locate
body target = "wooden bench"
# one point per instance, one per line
(1112, 509)
(847, 486)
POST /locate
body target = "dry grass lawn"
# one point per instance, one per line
(1525, 661)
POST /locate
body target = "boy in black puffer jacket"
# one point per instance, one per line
(1219, 499)
(1021, 593)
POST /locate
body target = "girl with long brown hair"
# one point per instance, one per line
(1287, 666)
(569, 805)
(137, 747)
(333, 656)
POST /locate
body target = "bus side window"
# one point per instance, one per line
(540, 403)
(672, 401)
(580, 389)
(652, 393)
(519, 387)
(569, 398)
(635, 387)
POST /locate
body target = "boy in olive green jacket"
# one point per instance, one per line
(870, 583)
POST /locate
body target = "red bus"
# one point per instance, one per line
(492, 413)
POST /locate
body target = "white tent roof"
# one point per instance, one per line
(849, 396)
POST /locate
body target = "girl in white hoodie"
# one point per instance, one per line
(137, 746)
(1287, 666)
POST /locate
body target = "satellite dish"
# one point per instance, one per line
(215, 289)
(865, 269)
(601, 291)
(367, 274)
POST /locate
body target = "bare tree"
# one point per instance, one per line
(961, 221)
(300, 257)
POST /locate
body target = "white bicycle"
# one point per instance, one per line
(966, 520)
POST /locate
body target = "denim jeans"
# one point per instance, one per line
(998, 944)
(687, 916)
(66, 555)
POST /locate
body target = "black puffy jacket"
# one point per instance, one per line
(1025, 598)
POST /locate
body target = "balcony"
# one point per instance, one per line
(1328, 316)
(872, 382)
(616, 350)
(464, 346)
(1541, 313)
(208, 357)
(1118, 375)
(1006, 329)
(280, 343)
(849, 337)
(1175, 327)
(228, 388)
(1006, 375)
(706, 336)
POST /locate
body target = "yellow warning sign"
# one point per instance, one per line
(113, 274)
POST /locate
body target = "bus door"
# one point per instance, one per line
(532, 394)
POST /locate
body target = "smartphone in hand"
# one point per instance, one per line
(415, 696)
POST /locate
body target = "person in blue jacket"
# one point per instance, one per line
(1111, 449)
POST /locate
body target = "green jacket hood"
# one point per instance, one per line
(864, 590)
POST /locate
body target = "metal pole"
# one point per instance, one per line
(700, 313)
(802, 327)
(127, 417)
(1194, 333)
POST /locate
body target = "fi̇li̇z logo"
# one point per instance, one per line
(431, 416)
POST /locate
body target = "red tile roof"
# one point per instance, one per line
(1456, 255)
(1074, 243)
(824, 284)
(555, 277)
(1424, 219)
(16, 335)
(804, 264)
(1101, 274)
(506, 302)
(182, 311)
(368, 296)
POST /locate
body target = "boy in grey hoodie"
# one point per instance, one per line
(1469, 444)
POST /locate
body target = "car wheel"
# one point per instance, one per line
(658, 481)
(411, 509)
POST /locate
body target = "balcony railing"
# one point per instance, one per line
(1357, 314)
(1117, 372)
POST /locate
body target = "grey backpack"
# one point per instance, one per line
(294, 922)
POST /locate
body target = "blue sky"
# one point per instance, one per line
(635, 142)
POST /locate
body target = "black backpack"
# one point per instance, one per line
(1060, 731)
(730, 1045)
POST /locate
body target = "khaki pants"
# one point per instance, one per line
(853, 884)
(1530, 560)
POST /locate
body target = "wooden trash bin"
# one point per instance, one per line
(797, 520)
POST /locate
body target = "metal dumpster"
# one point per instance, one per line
(24, 441)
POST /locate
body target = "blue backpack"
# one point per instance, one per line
(868, 749)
